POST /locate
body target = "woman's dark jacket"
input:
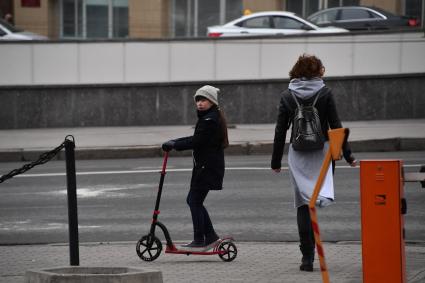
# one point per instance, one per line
(328, 115)
(208, 152)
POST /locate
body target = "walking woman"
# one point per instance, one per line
(208, 143)
(307, 87)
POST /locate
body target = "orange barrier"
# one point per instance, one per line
(382, 209)
(337, 137)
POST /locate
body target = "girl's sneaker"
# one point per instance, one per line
(211, 243)
(194, 245)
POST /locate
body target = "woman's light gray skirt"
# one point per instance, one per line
(304, 169)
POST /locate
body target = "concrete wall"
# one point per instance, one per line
(111, 62)
(127, 83)
(358, 98)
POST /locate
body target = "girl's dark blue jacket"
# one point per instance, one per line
(208, 152)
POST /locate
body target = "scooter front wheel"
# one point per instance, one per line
(149, 248)
(228, 251)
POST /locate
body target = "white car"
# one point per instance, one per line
(269, 23)
(9, 32)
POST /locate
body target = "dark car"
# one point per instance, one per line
(361, 18)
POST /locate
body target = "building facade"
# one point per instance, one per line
(91, 19)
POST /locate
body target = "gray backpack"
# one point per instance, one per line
(306, 128)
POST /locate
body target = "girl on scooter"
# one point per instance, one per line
(207, 143)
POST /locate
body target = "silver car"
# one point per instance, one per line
(269, 23)
(9, 32)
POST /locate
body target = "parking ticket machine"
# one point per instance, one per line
(382, 216)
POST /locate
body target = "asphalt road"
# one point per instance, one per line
(116, 199)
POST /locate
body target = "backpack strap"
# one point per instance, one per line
(295, 98)
(315, 99)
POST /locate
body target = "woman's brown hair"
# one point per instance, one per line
(307, 66)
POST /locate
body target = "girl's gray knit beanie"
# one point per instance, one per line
(209, 92)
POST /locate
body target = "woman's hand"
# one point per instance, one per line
(353, 163)
(277, 170)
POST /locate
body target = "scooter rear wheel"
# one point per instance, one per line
(149, 248)
(229, 249)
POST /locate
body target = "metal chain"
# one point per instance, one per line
(43, 158)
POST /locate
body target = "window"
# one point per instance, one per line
(333, 3)
(193, 17)
(208, 15)
(295, 6)
(374, 15)
(350, 3)
(181, 18)
(71, 18)
(340, 3)
(94, 18)
(310, 7)
(120, 18)
(233, 10)
(354, 14)
(287, 23)
(326, 17)
(258, 22)
(413, 8)
(302, 7)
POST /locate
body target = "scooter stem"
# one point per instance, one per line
(158, 197)
(164, 163)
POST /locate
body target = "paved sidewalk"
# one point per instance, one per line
(134, 142)
(256, 262)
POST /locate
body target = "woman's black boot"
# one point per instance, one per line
(307, 259)
(306, 238)
(307, 263)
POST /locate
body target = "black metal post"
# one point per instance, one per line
(72, 202)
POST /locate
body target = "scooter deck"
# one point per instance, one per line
(186, 252)
(211, 251)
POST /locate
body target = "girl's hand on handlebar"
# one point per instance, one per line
(168, 145)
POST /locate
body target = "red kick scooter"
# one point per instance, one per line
(149, 247)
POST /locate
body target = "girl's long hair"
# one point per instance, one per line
(223, 125)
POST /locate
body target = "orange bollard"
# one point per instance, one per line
(382, 209)
(337, 137)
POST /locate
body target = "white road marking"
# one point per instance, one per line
(173, 170)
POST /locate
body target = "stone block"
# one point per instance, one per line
(83, 274)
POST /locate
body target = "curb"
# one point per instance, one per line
(244, 148)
